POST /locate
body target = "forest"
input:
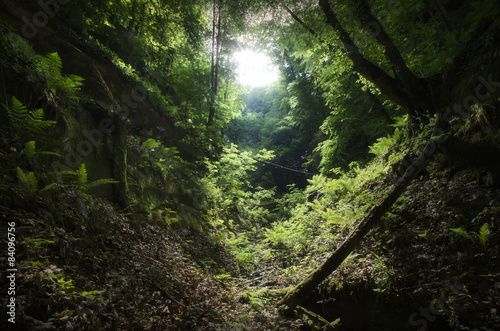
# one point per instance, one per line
(145, 187)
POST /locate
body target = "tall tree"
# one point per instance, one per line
(404, 89)
(216, 51)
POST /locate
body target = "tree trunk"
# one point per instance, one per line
(119, 138)
(296, 295)
(216, 40)
(391, 52)
(415, 88)
(378, 105)
(405, 90)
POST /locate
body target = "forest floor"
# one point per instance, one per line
(83, 265)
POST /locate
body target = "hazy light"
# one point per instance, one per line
(254, 69)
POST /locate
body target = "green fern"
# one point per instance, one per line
(18, 114)
(25, 122)
(400, 122)
(30, 150)
(82, 176)
(383, 144)
(29, 181)
(151, 144)
(48, 188)
(462, 233)
(100, 182)
(483, 234)
(50, 67)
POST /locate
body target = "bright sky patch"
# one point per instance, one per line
(254, 69)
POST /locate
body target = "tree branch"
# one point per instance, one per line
(304, 25)
(377, 31)
(389, 86)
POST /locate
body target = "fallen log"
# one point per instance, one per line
(297, 294)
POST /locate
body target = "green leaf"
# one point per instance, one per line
(82, 175)
(29, 149)
(484, 233)
(462, 232)
(103, 181)
(151, 144)
(29, 181)
(48, 188)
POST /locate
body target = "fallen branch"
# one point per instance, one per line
(297, 294)
(320, 319)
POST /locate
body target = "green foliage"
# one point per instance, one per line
(241, 248)
(163, 157)
(36, 242)
(151, 144)
(30, 150)
(48, 66)
(29, 181)
(481, 236)
(38, 246)
(462, 232)
(233, 203)
(386, 275)
(279, 236)
(67, 289)
(79, 179)
(383, 144)
(25, 123)
(333, 207)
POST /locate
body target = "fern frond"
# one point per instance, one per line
(32, 181)
(100, 182)
(24, 121)
(75, 81)
(82, 175)
(29, 181)
(150, 144)
(38, 122)
(462, 232)
(30, 149)
(484, 233)
(22, 177)
(17, 113)
(54, 60)
(48, 188)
